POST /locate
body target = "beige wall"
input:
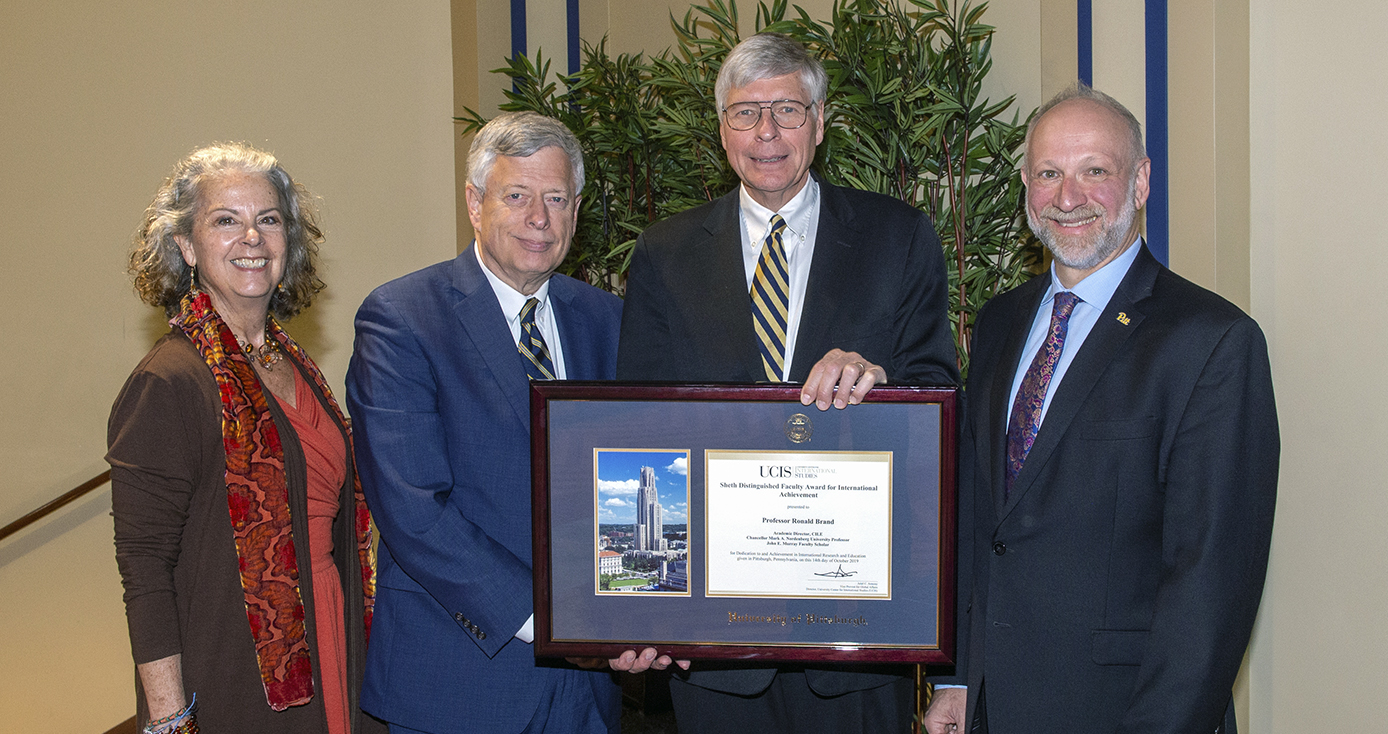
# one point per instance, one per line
(1208, 157)
(1320, 655)
(100, 99)
(1017, 43)
(1119, 61)
(481, 43)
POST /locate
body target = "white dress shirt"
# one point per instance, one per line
(512, 301)
(802, 222)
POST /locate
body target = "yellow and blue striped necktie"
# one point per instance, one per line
(771, 301)
(532, 345)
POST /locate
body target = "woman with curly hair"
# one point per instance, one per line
(243, 541)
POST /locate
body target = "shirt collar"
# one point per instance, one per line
(799, 214)
(511, 300)
(1099, 286)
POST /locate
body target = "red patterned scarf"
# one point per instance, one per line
(258, 500)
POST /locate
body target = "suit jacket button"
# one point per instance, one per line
(461, 619)
(481, 635)
(999, 548)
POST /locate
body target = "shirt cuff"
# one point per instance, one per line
(527, 631)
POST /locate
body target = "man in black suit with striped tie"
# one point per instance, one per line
(788, 278)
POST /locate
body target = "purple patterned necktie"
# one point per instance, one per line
(1031, 396)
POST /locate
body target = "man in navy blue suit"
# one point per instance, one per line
(439, 393)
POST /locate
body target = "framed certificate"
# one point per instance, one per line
(731, 522)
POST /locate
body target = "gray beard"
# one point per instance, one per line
(1085, 255)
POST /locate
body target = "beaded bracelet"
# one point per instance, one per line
(183, 722)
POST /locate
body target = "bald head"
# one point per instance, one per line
(1086, 178)
(1082, 91)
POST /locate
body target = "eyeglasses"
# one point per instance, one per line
(788, 114)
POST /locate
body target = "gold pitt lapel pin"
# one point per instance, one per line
(1123, 318)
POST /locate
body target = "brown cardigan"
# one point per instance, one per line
(177, 556)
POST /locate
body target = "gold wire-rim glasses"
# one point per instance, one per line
(788, 114)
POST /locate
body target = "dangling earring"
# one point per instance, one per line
(193, 279)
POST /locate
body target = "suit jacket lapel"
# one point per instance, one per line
(1000, 391)
(833, 252)
(728, 301)
(578, 333)
(1100, 347)
(480, 316)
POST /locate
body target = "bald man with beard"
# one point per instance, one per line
(1118, 467)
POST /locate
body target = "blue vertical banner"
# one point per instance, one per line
(1158, 202)
(517, 28)
(1084, 13)
(518, 36)
(575, 43)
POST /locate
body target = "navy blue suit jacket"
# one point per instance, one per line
(441, 412)
(1114, 589)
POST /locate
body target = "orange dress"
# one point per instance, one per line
(326, 457)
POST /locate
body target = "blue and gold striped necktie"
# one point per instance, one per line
(771, 301)
(532, 345)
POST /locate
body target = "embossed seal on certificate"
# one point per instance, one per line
(799, 428)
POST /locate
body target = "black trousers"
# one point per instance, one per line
(980, 722)
(789, 706)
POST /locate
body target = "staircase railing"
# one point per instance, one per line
(128, 726)
(55, 504)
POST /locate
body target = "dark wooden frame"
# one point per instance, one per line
(542, 392)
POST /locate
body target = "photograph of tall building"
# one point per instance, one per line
(649, 535)
(641, 533)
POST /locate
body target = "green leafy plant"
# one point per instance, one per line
(905, 117)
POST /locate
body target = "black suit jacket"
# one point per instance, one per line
(877, 286)
(1115, 590)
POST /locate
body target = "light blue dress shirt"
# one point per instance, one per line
(1094, 293)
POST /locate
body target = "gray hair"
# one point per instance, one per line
(768, 55)
(162, 277)
(1080, 90)
(520, 135)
